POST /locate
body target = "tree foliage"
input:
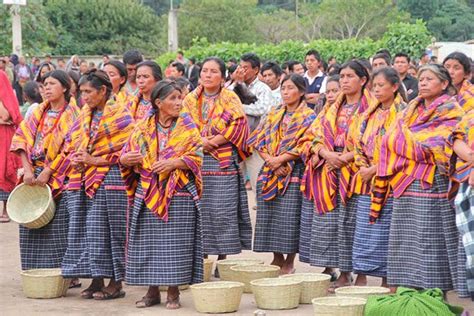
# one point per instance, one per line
(411, 39)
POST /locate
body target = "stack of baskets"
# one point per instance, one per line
(314, 285)
(223, 266)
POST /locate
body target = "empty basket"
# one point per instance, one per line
(314, 285)
(217, 297)
(362, 291)
(44, 283)
(224, 266)
(339, 306)
(277, 293)
(245, 274)
(208, 263)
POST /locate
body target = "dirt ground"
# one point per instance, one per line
(13, 302)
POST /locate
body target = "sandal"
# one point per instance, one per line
(173, 303)
(88, 293)
(75, 283)
(103, 295)
(147, 302)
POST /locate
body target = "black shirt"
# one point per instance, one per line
(411, 87)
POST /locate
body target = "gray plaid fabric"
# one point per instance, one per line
(464, 205)
(307, 211)
(45, 247)
(226, 222)
(345, 233)
(369, 253)
(423, 242)
(277, 228)
(97, 231)
(4, 195)
(165, 253)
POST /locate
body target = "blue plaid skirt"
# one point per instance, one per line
(307, 213)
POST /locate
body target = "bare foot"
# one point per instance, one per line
(361, 280)
(343, 280)
(172, 301)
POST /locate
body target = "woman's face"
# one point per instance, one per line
(456, 71)
(91, 95)
(430, 86)
(383, 90)
(211, 76)
(290, 93)
(171, 105)
(350, 83)
(53, 89)
(145, 79)
(332, 91)
(44, 70)
(115, 78)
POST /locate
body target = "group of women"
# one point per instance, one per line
(147, 186)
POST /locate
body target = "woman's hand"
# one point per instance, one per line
(333, 160)
(367, 173)
(43, 177)
(132, 158)
(282, 171)
(6, 122)
(28, 176)
(82, 157)
(315, 160)
(209, 144)
(274, 163)
(163, 166)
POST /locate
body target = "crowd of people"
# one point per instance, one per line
(362, 168)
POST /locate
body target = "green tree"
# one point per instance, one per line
(411, 39)
(453, 21)
(419, 9)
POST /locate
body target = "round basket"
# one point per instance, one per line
(245, 274)
(44, 283)
(224, 266)
(362, 291)
(277, 293)
(208, 263)
(314, 285)
(339, 306)
(217, 297)
(31, 206)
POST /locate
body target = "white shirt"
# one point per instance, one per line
(311, 80)
(276, 94)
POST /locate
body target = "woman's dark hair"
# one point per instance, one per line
(218, 61)
(38, 74)
(392, 76)
(162, 90)
(31, 91)
(462, 59)
(299, 82)
(121, 69)
(155, 69)
(63, 78)
(333, 78)
(442, 74)
(97, 79)
(359, 68)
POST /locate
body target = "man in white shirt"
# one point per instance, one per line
(314, 77)
(271, 73)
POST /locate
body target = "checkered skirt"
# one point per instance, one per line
(423, 240)
(307, 213)
(97, 231)
(165, 253)
(45, 247)
(277, 228)
(226, 222)
(4, 195)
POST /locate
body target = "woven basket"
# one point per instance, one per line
(277, 293)
(339, 306)
(362, 291)
(44, 283)
(314, 285)
(217, 297)
(224, 266)
(31, 206)
(245, 274)
(208, 263)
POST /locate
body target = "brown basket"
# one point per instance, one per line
(224, 266)
(277, 293)
(362, 291)
(339, 306)
(31, 206)
(245, 274)
(217, 297)
(314, 285)
(44, 283)
(208, 263)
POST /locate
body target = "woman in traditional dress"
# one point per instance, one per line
(97, 200)
(329, 170)
(423, 239)
(10, 119)
(164, 155)
(371, 239)
(118, 77)
(148, 75)
(279, 198)
(39, 141)
(459, 68)
(220, 118)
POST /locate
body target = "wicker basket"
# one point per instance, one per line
(31, 206)
(362, 291)
(224, 266)
(208, 263)
(245, 274)
(339, 306)
(44, 283)
(217, 297)
(277, 293)
(314, 285)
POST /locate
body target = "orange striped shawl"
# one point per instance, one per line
(466, 96)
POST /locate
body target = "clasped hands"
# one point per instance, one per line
(279, 167)
(134, 158)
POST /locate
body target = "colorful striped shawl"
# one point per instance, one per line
(54, 142)
(227, 119)
(268, 138)
(466, 96)
(369, 140)
(320, 184)
(115, 126)
(184, 143)
(414, 148)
